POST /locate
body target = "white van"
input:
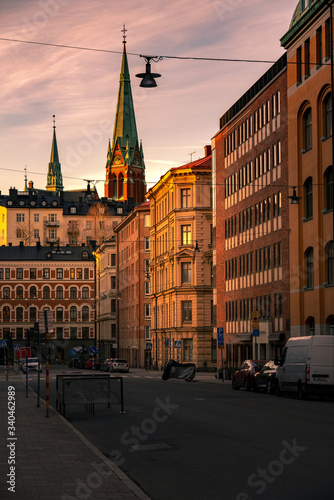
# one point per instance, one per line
(307, 366)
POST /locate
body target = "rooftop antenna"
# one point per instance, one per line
(124, 31)
(191, 155)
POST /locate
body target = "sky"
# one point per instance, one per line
(175, 120)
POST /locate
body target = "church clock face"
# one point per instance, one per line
(117, 159)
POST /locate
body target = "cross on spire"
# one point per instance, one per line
(124, 31)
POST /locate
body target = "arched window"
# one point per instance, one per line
(73, 313)
(6, 293)
(19, 314)
(328, 116)
(19, 292)
(46, 292)
(73, 293)
(85, 292)
(59, 314)
(330, 325)
(59, 292)
(309, 268)
(330, 262)
(308, 195)
(32, 314)
(310, 326)
(85, 313)
(308, 129)
(6, 313)
(33, 292)
(329, 188)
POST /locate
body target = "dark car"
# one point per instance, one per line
(264, 379)
(105, 365)
(244, 376)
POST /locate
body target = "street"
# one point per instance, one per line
(203, 440)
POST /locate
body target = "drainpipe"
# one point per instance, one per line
(155, 278)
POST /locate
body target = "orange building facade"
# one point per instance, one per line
(310, 160)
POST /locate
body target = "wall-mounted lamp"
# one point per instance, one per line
(148, 78)
(294, 198)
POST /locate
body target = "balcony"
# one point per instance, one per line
(54, 223)
(73, 229)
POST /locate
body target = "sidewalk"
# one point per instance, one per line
(52, 460)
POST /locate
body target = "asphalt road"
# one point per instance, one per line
(202, 440)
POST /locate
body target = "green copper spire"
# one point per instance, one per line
(125, 129)
(55, 178)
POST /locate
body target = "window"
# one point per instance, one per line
(186, 311)
(59, 332)
(32, 273)
(73, 333)
(59, 274)
(186, 234)
(72, 274)
(52, 217)
(7, 273)
(147, 244)
(19, 292)
(308, 189)
(329, 188)
(85, 313)
(52, 234)
(19, 233)
(187, 349)
(1, 273)
(299, 65)
(319, 46)
(36, 234)
(113, 282)
(113, 260)
(73, 313)
(19, 314)
(46, 292)
(307, 57)
(113, 305)
(147, 287)
(36, 217)
(32, 314)
(328, 116)
(85, 332)
(33, 292)
(147, 220)
(185, 198)
(59, 314)
(308, 129)
(147, 311)
(86, 273)
(85, 292)
(330, 263)
(185, 272)
(309, 268)
(19, 273)
(19, 217)
(46, 273)
(6, 293)
(59, 292)
(73, 292)
(6, 313)
(147, 333)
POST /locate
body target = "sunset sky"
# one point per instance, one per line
(80, 87)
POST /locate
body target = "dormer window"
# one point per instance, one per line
(73, 210)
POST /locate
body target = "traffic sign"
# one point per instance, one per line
(73, 352)
(220, 337)
(3, 343)
(166, 342)
(149, 346)
(17, 347)
(177, 344)
(92, 349)
(255, 323)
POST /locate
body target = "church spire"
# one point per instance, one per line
(54, 178)
(125, 168)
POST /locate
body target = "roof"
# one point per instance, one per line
(38, 252)
(205, 162)
(305, 10)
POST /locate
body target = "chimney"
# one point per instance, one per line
(30, 185)
(9, 244)
(21, 243)
(207, 150)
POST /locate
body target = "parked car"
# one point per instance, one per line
(119, 365)
(105, 365)
(264, 379)
(244, 376)
(307, 367)
(32, 365)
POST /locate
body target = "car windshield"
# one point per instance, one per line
(33, 360)
(120, 361)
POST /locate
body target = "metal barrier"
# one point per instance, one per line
(88, 390)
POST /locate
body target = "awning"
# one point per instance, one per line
(243, 337)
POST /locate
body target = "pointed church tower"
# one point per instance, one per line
(54, 179)
(125, 167)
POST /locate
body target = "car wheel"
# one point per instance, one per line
(234, 385)
(301, 391)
